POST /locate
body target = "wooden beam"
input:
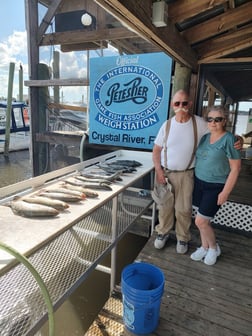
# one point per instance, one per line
(219, 24)
(225, 45)
(179, 11)
(84, 46)
(217, 85)
(127, 47)
(48, 18)
(136, 15)
(82, 36)
(57, 82)
(227, 60)
(31, 10)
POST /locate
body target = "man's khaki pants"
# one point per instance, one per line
(178, 212)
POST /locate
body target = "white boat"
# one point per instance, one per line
(19, 126)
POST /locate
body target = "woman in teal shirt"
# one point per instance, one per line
(217, 168)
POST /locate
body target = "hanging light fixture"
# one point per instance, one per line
(86, 19)
(159, 13)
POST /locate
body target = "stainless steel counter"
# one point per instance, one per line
(65, 249)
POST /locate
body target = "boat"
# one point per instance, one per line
(19, 126)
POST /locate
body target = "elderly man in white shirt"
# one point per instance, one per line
(173, 165)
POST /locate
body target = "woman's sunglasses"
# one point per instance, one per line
(184, 103)
(216, 119)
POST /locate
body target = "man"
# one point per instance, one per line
(180, 146)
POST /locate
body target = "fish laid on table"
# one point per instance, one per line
(93, 185)
(112, 168)
(92, 180)
(71, 185)
(102, 175)
(56, 204)
(60, 196)
(69, 192)
(128, 163)
(25, 209)
(96, 186)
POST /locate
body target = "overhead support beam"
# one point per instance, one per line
(84, 46)
(228, 60)
(80, 37)
(219, 24)
(185, 9)
(136, 15)
(57, 82)
(127, 47)
(225, 45)
(48, 18)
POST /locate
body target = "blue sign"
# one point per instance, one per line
(128, 99)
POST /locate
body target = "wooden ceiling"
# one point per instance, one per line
(213, 35)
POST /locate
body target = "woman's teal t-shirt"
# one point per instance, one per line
(212, 163)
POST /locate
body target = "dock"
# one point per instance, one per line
(198, 300)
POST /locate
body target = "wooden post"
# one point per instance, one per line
(21, 83)
(31, 10)
(182, 77)
(56, 74)
(181, 80)
(8, 110)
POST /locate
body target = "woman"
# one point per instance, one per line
(217, 168)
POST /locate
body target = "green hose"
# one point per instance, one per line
(40, 282)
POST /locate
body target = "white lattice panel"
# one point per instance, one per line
(234, 215)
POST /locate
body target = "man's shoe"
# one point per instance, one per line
(199, 254)
(160, 241)
(182, 247)
(212, 254)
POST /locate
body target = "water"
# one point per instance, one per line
(15, 168)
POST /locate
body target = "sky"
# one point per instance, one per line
(13, 48)
(13, 43)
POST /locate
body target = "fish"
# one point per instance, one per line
(99, 172)
(124, 169)
(129, 163)
(113, 168)
(60, 196)
(124, 164)
(94, 185)
(56, 204)
(88, 192)
(102, 175)
(110, 170)
(92, 180)
(64, 191)
(25, 209)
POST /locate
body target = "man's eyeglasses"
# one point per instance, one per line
(216, 119)
(184, 103)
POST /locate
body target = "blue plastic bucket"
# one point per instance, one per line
(142, 290)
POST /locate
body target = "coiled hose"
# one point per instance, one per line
(22, 259)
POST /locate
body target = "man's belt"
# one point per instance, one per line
(176, 171)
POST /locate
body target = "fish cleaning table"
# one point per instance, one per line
(66, 248)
